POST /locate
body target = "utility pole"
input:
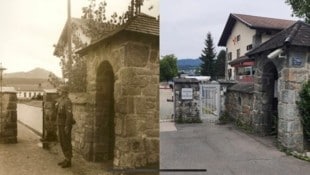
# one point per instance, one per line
(1, 78)
(69, 28)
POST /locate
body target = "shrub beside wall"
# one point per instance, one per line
(304, 108)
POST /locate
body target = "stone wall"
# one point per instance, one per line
(186, 110)
(8, 118)
(239, 103)
(134, 59)
(82, 131)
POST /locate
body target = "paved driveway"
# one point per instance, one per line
(222, 149)
(30, 116)
(166, 107)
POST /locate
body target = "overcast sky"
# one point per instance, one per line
(29, 28)
(184, 23)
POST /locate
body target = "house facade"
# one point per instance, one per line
(28, 93)
(243, 33)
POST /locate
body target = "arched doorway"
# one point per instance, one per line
(104, 121)
(270, 98)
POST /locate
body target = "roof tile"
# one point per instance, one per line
(297, 34)
(254, 22)
(264, 22)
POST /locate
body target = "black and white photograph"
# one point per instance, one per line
(79, 87)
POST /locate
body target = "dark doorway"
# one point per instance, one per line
(270, 98)
(104, 121)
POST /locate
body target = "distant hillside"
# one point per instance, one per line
(189, 63)
(36, 81)
(33, 79)
(37, 73)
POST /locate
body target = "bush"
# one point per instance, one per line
(225, 118)
(304, 108)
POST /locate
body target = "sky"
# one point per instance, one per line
(30, 28)
(184, 24)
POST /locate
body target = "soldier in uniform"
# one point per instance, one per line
(64, 124)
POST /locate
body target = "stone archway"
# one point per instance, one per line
(104, 120)
(270, 98)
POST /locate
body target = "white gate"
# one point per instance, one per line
(210, 101)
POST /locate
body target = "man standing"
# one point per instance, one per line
(64, 125)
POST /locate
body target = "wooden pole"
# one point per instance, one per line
(69, 28)
(1, 78)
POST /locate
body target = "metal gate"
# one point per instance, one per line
(210, 101)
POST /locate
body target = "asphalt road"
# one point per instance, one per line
(30, 116)
(223, 150)
(27, 157)
(166, 107)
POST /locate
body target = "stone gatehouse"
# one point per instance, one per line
(118, 115)
(282, 65)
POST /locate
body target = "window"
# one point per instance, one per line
(229, 73)
(257, 39)
(229, 55)
(29, 95)
(249, 47)
(245, 70)
(25, 95)
(238, 53)
(238, 38)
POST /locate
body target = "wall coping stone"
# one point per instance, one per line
(243, 88)
(185, 80)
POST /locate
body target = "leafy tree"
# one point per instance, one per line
(198, 71)
(168, 67)
(74, 68)
(220, 64)
(207, 57)
(301, 8)
(97, 12)
(304, 108)
(54, 80)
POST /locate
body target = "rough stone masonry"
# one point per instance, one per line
(118, 116)
(8, 117)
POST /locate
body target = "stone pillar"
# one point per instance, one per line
(186, 100)
(224, 88)
(82, 132)
(49, 118)
(8, 117)
(290, 132)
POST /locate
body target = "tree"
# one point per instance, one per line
(301, 8)
(74, 66)
(207, 58)
(97, 12)
(54, 80)
(304, 108)
(220, 64)
(168, 67)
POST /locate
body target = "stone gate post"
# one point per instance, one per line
(186, 100)
(49, 117)
(8, 116)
